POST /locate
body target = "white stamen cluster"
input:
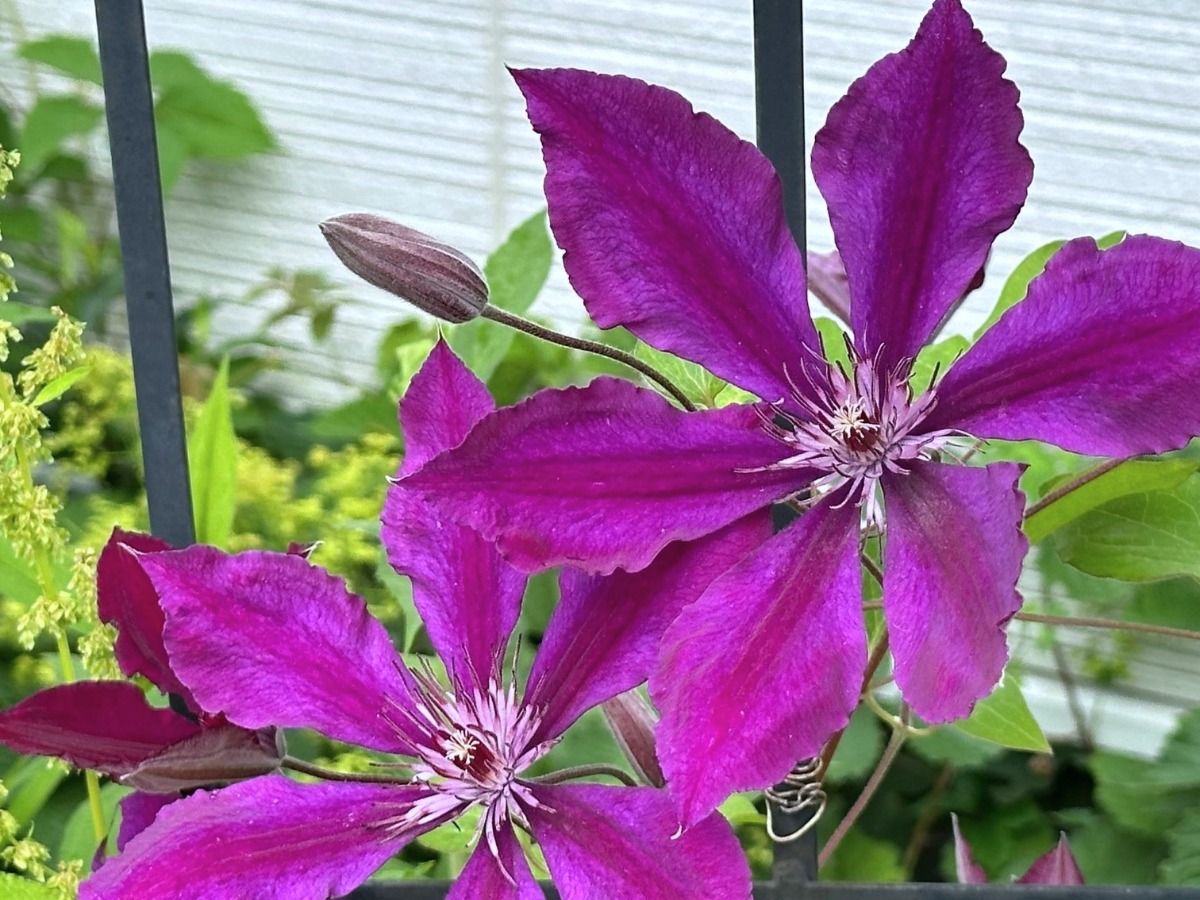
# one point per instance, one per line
(476, 743)
(866, 422)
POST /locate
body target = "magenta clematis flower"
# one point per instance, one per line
(110, 727)
(674, 228)
(270, 638)
(1057, 866)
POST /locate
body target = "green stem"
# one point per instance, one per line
(587, 772)
(1073, 485)
(300, 765)
(545, 334)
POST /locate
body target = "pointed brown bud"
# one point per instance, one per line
(215, 755)
(632, 721)
(430, 275)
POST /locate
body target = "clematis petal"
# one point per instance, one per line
(765, 666)
(468, 596)
(604, 635)
(443, 403)
(1101, 357)
(268, 838)
(969, 871)
(673, 227)
(126, 599)
(138, 811)
(508, 878)
(1056, 867)
(950, 565)
(617, 843)
(921, 168)
(605, 476)
(270, 639)
(103, 725)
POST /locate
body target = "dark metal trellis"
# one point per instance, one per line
(779, 79)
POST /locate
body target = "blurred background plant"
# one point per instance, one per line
(267, 471)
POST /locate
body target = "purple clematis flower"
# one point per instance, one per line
(1056, 866)
(110, 727)
(270, 638)
(674, 228)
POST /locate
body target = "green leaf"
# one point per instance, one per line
(739, 809)
(1140, 537)
(17, 313)
(833, 341)
(859, 748)
(1182, 865)
(1108, 855)
(174, 68)
(1127, 789)
(1004, 718)
(18, 578)
(516, 272)
(1017, 285)
(400, 588)
(935, 360)
(212, 458)
(860, 857)
(51, 122)
(697, 384)
(454, 837)
(214, 119)
(173, 155)
(79, 836)
(30, 783)
(60, 385)
(1135, 476)
(74, 56)
(14, 887)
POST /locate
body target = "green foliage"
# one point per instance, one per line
(515, 273)
(697, 383)
(74, 57)
(1139, 537)
(1135, 476)
(212, 463)
(1004, 718)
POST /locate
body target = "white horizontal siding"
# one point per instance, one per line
(404, 109)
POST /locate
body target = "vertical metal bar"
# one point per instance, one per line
(779, 101)
(779, 107)
(129, 106)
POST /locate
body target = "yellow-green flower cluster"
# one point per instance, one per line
(8, 162)
(28, 857)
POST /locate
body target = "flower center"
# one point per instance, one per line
(865, 423)
(476, 742)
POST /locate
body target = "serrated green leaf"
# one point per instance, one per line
(14, 887)
(60, 385)
(1140, 537)
(698, 384)
(1135, 476)
(516, 272)
(1017, 285)
(74, 57)
(1004, 718)
(52, 121)
(212, 460)
(1127, 789)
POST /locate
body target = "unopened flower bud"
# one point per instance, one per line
(632, 721)
(430, 275)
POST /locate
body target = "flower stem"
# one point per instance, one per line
(535, 330)
(300, 765)
(881, 769)
(586, 772)
(1074, 484)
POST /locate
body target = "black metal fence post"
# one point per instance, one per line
(129, 106)
(779, 111)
